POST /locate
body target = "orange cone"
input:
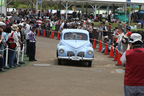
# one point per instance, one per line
(59, 22)
(111, 52)
(106, 49)
(51, 34)
(39, 32)
(58, 37)
(100, 46)
(94, 43)
(44, 35)
(116, 55)
(119, 63)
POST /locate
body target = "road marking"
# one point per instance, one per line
(120, 71)
(42, 65)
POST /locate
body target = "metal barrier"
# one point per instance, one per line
(18, 53)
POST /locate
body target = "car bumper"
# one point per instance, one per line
(79, 58)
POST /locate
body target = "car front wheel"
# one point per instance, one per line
(89, 63)
(59, 61)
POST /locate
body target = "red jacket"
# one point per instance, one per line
(134, 70)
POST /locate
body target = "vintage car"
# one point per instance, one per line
(75, 45)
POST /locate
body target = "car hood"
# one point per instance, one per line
(76, 43)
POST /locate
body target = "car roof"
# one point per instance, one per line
(75, 30)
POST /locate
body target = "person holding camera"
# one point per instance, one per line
(134, 69)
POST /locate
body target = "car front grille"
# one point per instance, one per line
(80, 54)
(70, 53)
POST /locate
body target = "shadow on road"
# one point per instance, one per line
(72, 63)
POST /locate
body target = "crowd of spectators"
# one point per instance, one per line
(20, 27)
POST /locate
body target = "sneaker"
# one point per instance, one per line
(1, 70)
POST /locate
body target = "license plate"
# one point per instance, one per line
(75, 58)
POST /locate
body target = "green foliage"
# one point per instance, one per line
(54, 7)
(16, 4)
(137, 30)
(22, 6)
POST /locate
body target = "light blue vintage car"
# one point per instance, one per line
(75, 45)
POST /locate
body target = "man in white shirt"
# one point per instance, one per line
(62, 25)
(28, 28)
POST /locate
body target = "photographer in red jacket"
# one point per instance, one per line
(134, 70)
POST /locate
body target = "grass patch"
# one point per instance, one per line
(26, 60)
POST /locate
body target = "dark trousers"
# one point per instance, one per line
(32, 51)
(27, 48)
(1, 62)
(91, 37)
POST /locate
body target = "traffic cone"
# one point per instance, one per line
(51, 34)
(100, 46)
(119, 63)
(58, 37)
(116, 55)
(39, 34)
(44, 35)
(59, 22)
(111, 52)
(106, 49)
(94, 43)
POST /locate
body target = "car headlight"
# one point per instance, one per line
(61, 51)
(90, 52)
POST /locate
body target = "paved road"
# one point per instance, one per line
(69, 79)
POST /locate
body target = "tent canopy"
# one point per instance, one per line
(139, 12)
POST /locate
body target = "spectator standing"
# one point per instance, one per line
(39, 22)
(1, 56)
(128, 29)
(120, 25)
(141, 23)
(65, 25)
(119, 36)
(104, 30)
(124, 43)
(109, 27)
(133, 57)
(43, 27)
(12, 51)
(135, 26)
(23, 32)
(78, 27)
(90, 32)
(28, 28)
(32, 44)
(7, 22)
(62, 24)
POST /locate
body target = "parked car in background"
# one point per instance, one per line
(75, 45)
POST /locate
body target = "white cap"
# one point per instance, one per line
(20, 24)
(135, 37)
(2, 24)
(106, 37)
(125, 36)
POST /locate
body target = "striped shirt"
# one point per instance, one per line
(39, 22)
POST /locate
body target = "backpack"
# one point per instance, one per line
(53, 27)
(11, 42)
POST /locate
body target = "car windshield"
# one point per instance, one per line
(75, 36)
